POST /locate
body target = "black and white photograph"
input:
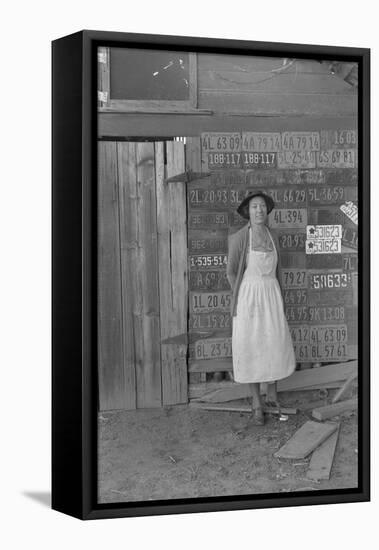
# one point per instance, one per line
(227, 274)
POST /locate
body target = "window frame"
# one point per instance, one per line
(106, 104)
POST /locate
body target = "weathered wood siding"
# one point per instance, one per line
(141, 259)
(172, 251)
(271, 85)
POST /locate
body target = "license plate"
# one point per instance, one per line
(199, 241)
(289, 260)
(205, 302)
(208, 280)
(300, 141)
(302, 352)
(297, 159)
(261, 141)
(295, 296)
(203, 321)
(294, 278)
(331, 296)
(321, 352)
(213, 348)
(326, 314)
(208, 261)
(327, 280)
(325, 215)
(324, 352)
(350, 237)
(267, 178)
(205, 198)
(324, 261)
(324, 231)
(228, 178)
(350, 262)
(336, 158)
(288, 217)
(208, 220)
(333, 194)
(336, 139)
(223, 142)
(351, 211)
(296, 314)
(293, 197)
(323, 246)
(300, 335)
(292, 241)
(252, 159)
(224, 160)
(335, 334)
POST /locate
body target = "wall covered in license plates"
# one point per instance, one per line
(312, 177)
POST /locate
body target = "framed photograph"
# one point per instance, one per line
(211, 291)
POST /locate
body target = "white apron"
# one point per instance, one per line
(261, 341)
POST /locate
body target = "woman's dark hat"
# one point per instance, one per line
(243, 209)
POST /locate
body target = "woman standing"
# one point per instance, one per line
(261, 341)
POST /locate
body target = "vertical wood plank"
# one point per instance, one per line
(193, 154)
(193, 163)
(172, 246)
(110, 352)
(127, 176)
(146, 310)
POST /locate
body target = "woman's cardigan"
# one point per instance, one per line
(238, 246)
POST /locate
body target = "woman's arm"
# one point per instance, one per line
(278, 266)
(233, 261)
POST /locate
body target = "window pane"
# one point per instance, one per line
(148, 74)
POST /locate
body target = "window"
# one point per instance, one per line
(146, 80)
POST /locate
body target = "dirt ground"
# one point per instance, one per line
(181, 452)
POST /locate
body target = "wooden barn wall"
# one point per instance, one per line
(312, 177)
(142, 280)
(263, 85)
(261, 97)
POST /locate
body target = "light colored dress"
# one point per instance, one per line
(261, 342)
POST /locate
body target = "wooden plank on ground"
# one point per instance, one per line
(218, 392)
(242, 409)
(310, 377)
(345, 388)
(323, 413)
(146, 313)
(172, 265)
(308, 405)
(110, 348)
(322, 458)
(221, 392)
(306, 439)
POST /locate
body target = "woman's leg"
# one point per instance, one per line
(272, 395)
(256, 396)
(258, 417)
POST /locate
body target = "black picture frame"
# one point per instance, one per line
(74, 331)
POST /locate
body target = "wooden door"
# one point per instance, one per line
(142, 280)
